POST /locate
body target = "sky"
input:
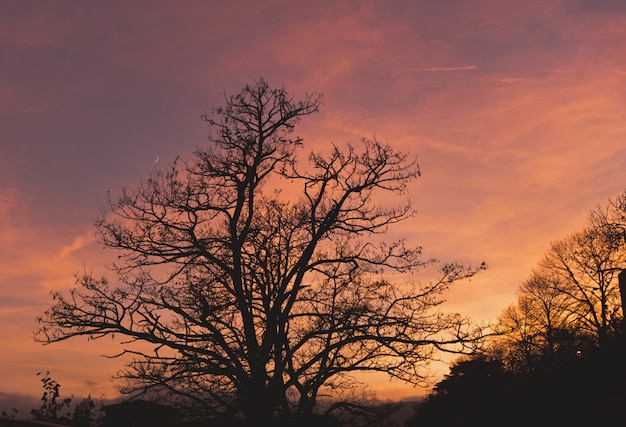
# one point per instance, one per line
(515, 111)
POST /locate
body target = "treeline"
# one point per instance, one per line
(557, 354)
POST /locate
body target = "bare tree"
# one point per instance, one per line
(539, 327)
(586, 264)
(251, 303)
(611, 220)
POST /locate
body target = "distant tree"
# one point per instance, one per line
(515, 344)
(557, 352)
(538, 329)
(467, 373)
(472, 393)
(52, 407)
(586, 264)
(255, 300)
(611, 220)
(547, 310)
(85, 413)
(479, 390)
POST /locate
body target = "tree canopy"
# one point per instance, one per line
(557, 356)
(253, 303)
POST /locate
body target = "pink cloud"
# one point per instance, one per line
(461, 68)
(515, 113)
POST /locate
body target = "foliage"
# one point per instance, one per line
(589, 390)
(58, 411)
(257, 302)
(84, 414)
(52, 407)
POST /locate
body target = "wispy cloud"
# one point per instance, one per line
(79, 242)
(435, 69)
(513, 79)
(489, 25)
(511, 160)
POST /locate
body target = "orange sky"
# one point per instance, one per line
(515, 110)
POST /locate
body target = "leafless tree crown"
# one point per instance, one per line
(255, 304)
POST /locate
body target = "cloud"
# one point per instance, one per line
(79, 242)
(513, 79)
(8, 202)
(489, 25)
(434, 69)
(515, 113)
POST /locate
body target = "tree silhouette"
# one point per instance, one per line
(539, 329)
(557, 354)
(84, 414)
(253, 302)
(586, 264)
(58, 411)
(51, 408)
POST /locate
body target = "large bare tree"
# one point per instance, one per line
(252, 301)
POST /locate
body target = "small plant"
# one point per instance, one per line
(52, 407)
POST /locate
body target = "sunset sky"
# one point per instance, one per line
(515, 110)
